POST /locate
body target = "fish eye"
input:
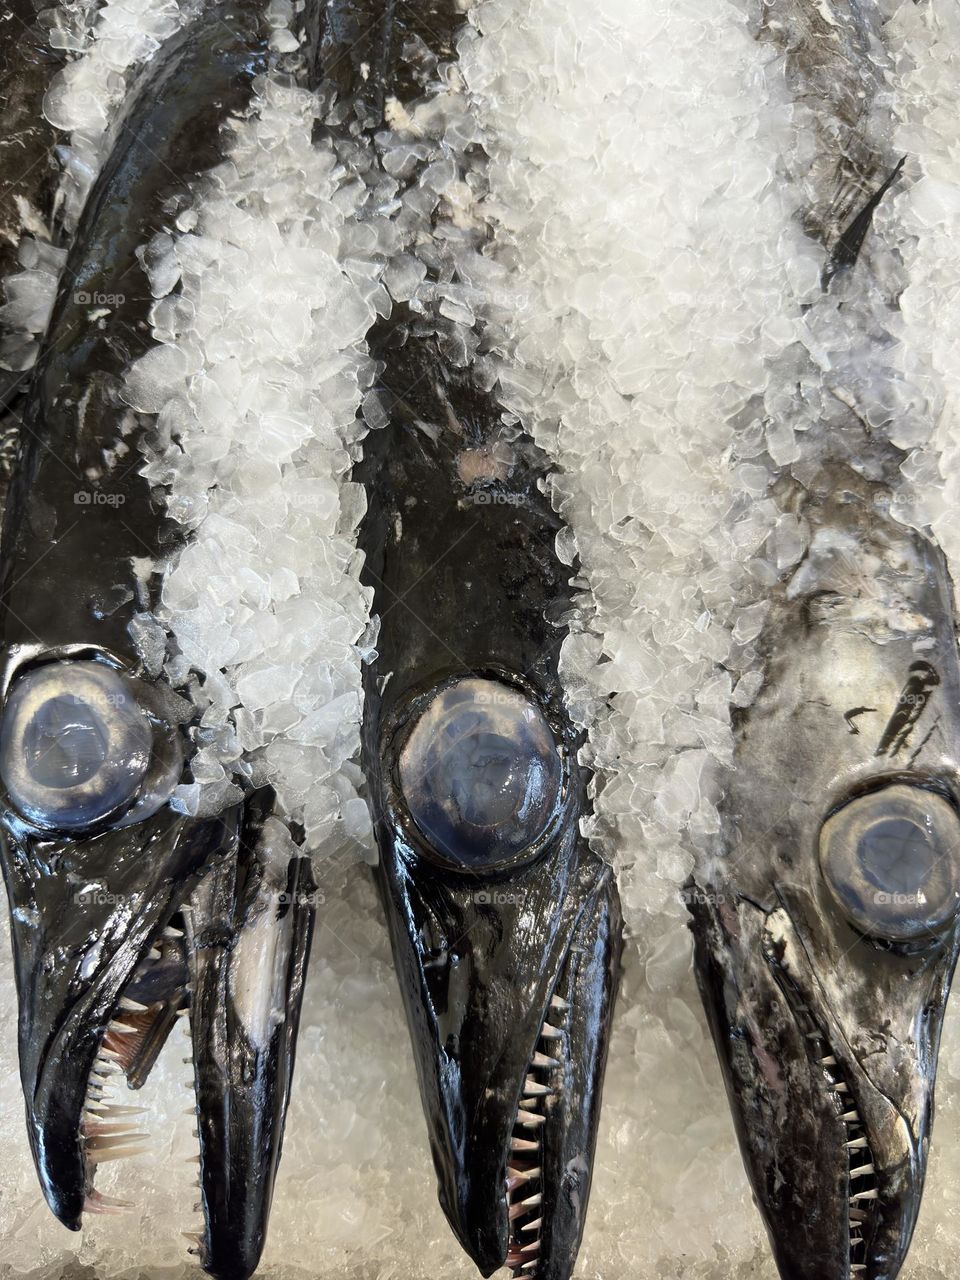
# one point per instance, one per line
(78, 747)
(481, 775)
(891, 860)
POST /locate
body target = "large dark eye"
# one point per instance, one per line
(77, 747)
(480, 773)
(892, 861)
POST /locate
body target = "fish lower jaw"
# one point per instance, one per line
(525, 1208)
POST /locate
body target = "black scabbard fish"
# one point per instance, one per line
(505, 926)
(124, 912)
(826, 927)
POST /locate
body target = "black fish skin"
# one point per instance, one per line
(68, 586)
(459, 546)
(775, 957)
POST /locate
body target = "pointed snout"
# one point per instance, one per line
(834, 1141)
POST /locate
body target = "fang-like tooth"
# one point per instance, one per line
(532, 1247)
(523, 1144)
(862, 1171)
(516, 1177)
(872, 1194)
(558, 1002)
(529, 1118)
(532, 1202)
(121, 1028)
(549, 1032)
(532, 1226)
(828, 1061)
(858, 1144)
(102, 1154)
(541, 1060)
(133, 1006)
(534, 1089)
(171, 932)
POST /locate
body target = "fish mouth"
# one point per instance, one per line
(832, 1096)
(549, 1163)
(115, 939)
(509, 994)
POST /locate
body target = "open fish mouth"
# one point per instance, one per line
(549, 1162)
(116, 937)
(509, 989)
(833, 1119)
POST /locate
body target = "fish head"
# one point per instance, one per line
(506, 933)
(826, 926)
(127, 915)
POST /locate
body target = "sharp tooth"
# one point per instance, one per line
(122, 1028)
(182, 1013)
(517, 1177)
(522, 1144)
(872, 1194)
(114, 1109)
(532, 1247)
(550, 1033)
(559, 1003)
(114, 1153)
(862, 1171)
(171, 932)
(133, 1006)
(855, 1240)
(110, 1054)
(534, 1089)
(120, 1129)
(528, 1118)
(532, 1202)
(857, 1144)
(840, 1087)
(850, 1117)
(114, 1139)
(532, 1226)
(97, 1202)
(828, 1061)
(541, 1060)
(531, 1265)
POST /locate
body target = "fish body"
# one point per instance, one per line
(825, 922)
(125, 913)
(505, 926)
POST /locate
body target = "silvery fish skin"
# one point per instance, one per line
(826, 927)
(125, 913)
(505, 926)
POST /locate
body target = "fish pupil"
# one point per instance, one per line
(895, 855)
(64, 743)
